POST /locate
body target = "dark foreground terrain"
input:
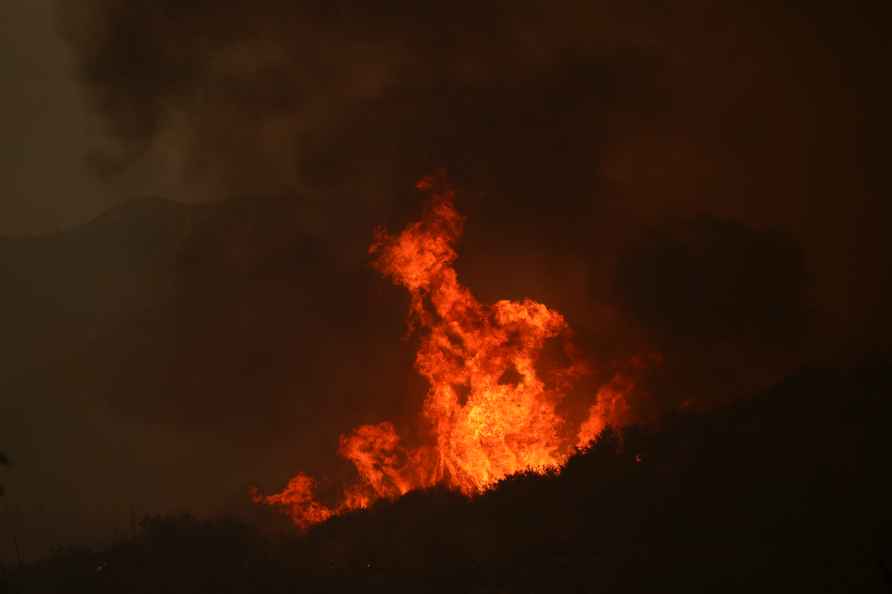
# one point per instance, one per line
(789, 491)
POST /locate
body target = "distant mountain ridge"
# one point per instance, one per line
(155, 301)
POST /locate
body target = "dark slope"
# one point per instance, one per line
(784, 492)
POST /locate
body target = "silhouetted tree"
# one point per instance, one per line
(4, 461)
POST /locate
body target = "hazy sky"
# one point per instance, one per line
(47, 126)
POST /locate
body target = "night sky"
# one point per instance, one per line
(190, 188)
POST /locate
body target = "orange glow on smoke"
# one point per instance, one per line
(488, 413)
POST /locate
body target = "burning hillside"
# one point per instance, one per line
(491, 410)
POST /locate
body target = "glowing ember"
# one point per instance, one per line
(488, 412)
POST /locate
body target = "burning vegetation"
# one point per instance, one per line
(491, 409)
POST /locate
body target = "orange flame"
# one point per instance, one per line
(488, 412)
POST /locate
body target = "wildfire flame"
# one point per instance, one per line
(488, 412)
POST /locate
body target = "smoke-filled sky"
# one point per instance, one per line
(191, 188)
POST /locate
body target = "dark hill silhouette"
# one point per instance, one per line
(157, 291)
(788, 491)
(153, 300)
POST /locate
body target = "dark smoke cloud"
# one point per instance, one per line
(353, 103)
(711, 280)
(730, 307)
(570, 125)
